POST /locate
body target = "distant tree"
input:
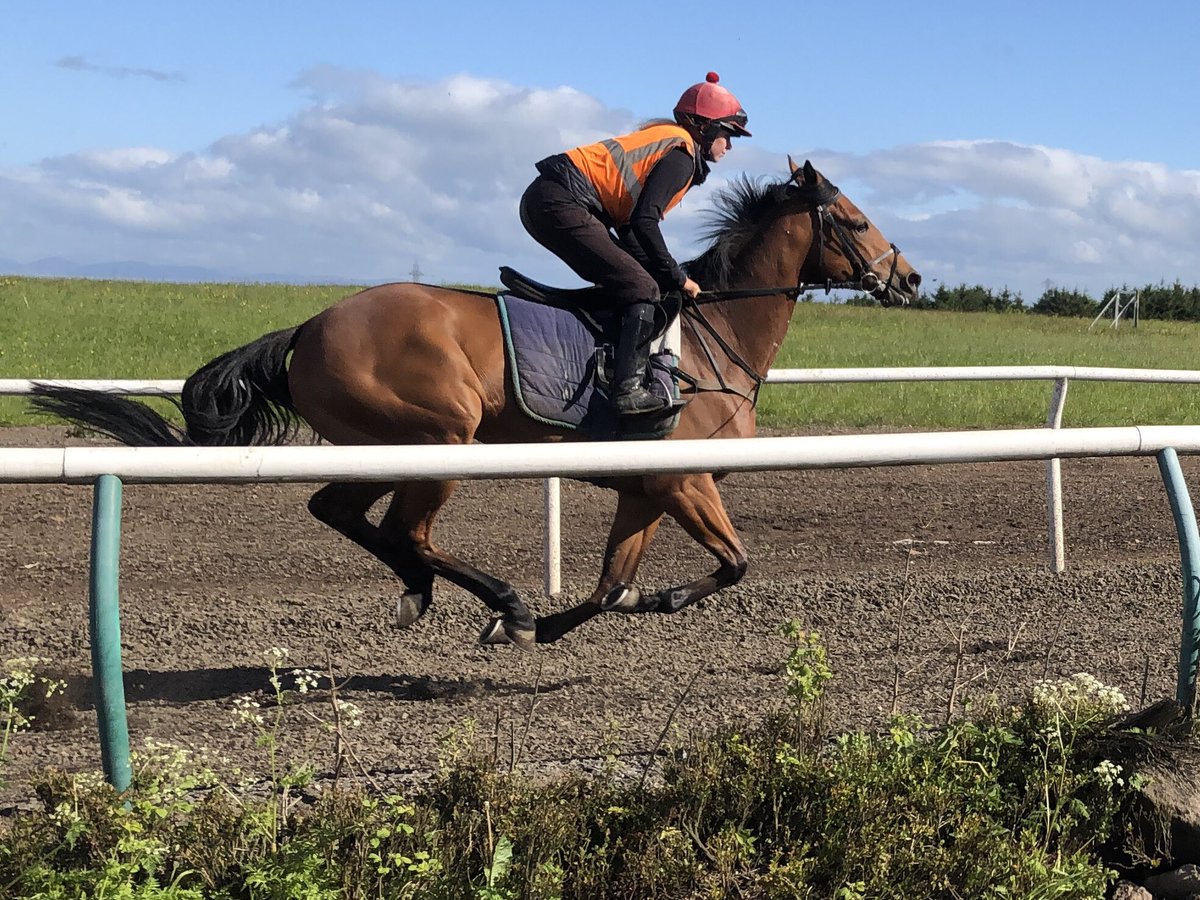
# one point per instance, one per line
(1173, 302)
(1062, 302)
(973, 298)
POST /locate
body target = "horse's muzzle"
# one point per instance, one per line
(889, 294)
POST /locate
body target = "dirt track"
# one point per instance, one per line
(213, 576)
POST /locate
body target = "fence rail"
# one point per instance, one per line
(82, 465)
(1060, 375)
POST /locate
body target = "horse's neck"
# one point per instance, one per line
(756, 326)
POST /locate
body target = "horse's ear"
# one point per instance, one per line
(810, 174)
(792, 167)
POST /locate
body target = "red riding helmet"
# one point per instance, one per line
(707, 103)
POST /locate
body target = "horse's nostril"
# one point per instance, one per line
(913, 280)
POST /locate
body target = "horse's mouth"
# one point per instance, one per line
(900, 294)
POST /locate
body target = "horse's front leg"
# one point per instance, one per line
(634, 524)
(695, 503)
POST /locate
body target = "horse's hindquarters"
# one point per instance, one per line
(399, 364)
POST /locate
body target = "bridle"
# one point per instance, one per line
(863, 277)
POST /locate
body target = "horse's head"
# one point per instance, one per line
(847, 248)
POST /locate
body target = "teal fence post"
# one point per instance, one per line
(105, 623)
(1189, 553)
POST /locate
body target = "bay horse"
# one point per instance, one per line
(415, 364)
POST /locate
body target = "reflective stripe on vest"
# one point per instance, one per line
(618, 167)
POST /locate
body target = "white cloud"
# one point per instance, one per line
(374, 174)
(1003, 213)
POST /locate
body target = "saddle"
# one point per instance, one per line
(559, 345)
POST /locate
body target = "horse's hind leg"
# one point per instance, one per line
(410, 518)
(343, 507)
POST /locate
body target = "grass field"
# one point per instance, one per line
(74, 328)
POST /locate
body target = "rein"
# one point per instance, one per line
(695, 318)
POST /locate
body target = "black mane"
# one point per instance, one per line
(738, 214)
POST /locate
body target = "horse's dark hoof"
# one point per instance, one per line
(498, 633)
(624, 598)
(409, 608)
(671, 601)
(494, 635)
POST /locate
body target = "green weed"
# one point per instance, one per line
(1026, 801)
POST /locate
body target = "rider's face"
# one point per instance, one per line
(720, 146)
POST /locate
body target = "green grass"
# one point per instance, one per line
(73, 328)
(826, 336)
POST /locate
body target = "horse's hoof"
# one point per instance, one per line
(498, 633)
(494, 635)
(409, 608)
(623, 598)
(672, 601)
(522, 638)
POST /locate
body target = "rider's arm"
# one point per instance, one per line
(642, 237)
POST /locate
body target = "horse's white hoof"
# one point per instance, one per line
(522, 638)
(623, 598)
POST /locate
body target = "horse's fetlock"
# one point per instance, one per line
(740, 567)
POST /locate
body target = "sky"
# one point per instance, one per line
(1022, 145)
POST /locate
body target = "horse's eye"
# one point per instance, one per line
(861, 227)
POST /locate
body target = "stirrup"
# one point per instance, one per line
(638, 402)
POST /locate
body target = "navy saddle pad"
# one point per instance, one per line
(554, 358)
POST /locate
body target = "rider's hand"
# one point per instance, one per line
(691, 289)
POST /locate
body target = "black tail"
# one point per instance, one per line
(239, 398)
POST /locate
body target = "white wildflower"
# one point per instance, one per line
(276, 656)
(1081, 695)
(64, 815)
(350, 713)
(1109, 774)
(306, 680)
(245, 711)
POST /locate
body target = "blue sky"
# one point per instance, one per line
(1018, 144)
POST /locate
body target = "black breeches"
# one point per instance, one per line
(557, 221)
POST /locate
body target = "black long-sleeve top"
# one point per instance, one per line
(642, 236)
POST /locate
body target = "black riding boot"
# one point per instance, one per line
(629, 394)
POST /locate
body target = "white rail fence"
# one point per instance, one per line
(1061, 376)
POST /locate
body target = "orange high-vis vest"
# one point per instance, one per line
(618, 167)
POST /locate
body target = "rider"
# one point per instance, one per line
(628, 184)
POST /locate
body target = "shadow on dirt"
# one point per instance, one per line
(193, 685)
